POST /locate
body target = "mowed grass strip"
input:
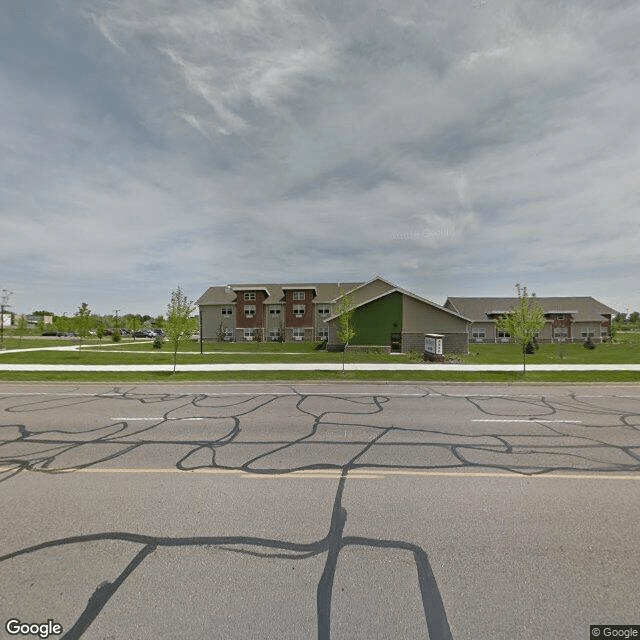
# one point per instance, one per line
(510, 377)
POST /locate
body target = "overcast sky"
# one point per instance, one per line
(452, 147)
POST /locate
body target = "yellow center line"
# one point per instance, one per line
(365, 474)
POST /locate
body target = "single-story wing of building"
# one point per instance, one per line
(568, 319)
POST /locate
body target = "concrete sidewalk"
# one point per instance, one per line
(310, 366)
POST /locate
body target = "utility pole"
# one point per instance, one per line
(4, 302)
(117, 311)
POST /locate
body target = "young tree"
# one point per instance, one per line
(179, 325)
(21, 326)
(346, 326)
(100, 331)
(83, 318)
(523, 321)
(221, 332)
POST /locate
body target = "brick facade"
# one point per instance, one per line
(290, 318)
(242, 322)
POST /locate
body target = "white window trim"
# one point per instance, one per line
(249, 310)
(298, 295)
(297, 333)
(274, 311)
(249, 334)
(227, 311)
(296, 310)
(324, 310)
(250, 295)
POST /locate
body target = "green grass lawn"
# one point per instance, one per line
(227, 347)
(144, 353)
(624, 350)
(502, 377)
(33, 342)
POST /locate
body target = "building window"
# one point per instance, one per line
(298, 334)
(249, 310)
(298, 295)
(249, 334)
(250, 295)
(227, 311)
(228, 335)
(587, 332)
(274, 311)
(274, 335)
(323, 333)
(560, 333)
(478, 333)
(324, 311)
(298, 310)
(504, 334)
(603, 332)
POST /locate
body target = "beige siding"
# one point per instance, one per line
(489, 331)
(211, 319)
(368, 291)
(272, 323)
(546, 332)
(419, 316)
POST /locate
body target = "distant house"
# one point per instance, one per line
(385, 314)
(568, 319)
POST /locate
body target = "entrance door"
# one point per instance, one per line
(396, 341)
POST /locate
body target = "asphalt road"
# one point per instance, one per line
(464, 512)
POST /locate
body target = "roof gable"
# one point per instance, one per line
(407, 293)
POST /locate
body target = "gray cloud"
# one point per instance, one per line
(455, 148)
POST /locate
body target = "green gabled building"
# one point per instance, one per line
(387, 315)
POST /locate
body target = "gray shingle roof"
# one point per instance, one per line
(583, 308)
(325, 291)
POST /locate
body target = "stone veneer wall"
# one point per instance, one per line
(456, 343)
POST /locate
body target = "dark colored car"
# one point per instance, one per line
(144, 333)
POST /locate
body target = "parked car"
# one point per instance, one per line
(144, 333)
